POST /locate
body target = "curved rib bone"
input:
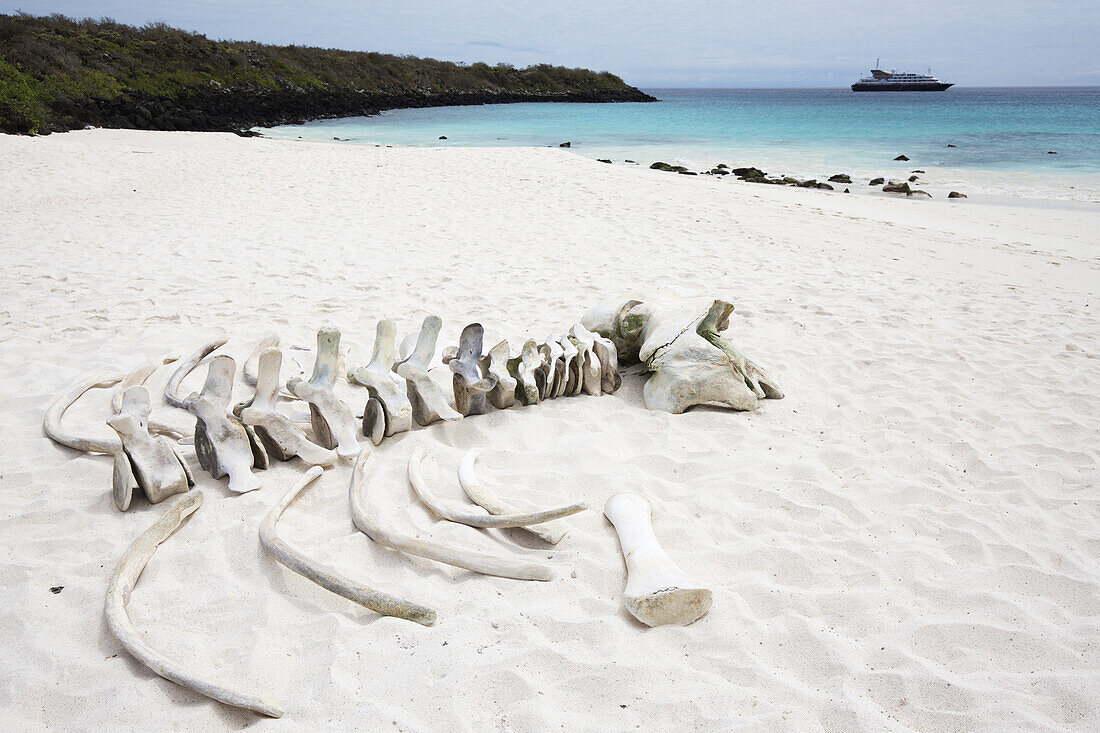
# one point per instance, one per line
(383, 385)
(503, 394)
(279, 435)
(118, 618)
(657, 591)
(152, 462)
(137, 378)
(365, 519)
(250, 371)
(429, 404)
(552, 531)
(223, 445)
(523, 369)
(171, 390)
(483, 521)
(51, 422)
(326, 577)
(332, 421)
(470, 385)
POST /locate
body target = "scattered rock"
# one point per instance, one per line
(919, 194)
(847, 191)
(916, 171)
(565, 145)
(808, 183)
(630, 161)
(248, 133)
(661, 166)
(442, 137)
(1051, 152)
(825, 187)
(841, 178)
(877, 182)
(901, 157)
(719, 172)
(956, 195)
(789, 181)
(56, 589)
(722, 166)
(603, 160)
(685, 171)
(912, 178)
(952, 146)
(894, 187)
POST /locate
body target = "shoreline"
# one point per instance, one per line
(905, 540)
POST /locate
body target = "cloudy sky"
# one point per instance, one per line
(735, 43)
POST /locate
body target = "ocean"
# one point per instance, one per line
(1034, 142)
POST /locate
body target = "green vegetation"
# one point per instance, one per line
(61, 74)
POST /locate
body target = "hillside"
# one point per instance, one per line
(61, 74)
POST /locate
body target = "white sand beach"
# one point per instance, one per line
(910, 540)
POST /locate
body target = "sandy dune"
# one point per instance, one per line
(910, 540)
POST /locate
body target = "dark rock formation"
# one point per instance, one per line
(877, 182)
(956, 195)
(912, 178)
(841, 178)
(919, 194)
(565, 145)
(894, 187)
(901, 157)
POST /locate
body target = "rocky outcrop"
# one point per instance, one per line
(956, 195)
(901, 157)
(841, 178)
(877, 182)
(895, 187)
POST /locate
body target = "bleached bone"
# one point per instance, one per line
(657, 591)
(149, 462)
(384, 386)
(367, 519)
(495, 363)
(429, 404)
(185, 367)
(473, 519)
(224, 445)
(137, 378)
(551, 369)
(606, 354)
(591, 381)
(333, 423)
(574, 360)
(251, 369)
(470, 385)
(55, 431)
(374, 420)
(326, 577)
(691, 363)
(118, 617)
(279, 435)
(552, 531)
(523, 369)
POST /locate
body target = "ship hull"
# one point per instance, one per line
(887, 87)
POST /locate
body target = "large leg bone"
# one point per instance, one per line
(365, 518)
(51, 423)
(118, 618)
(153, 464)
(222, 444)
(281, 437)
(171, 390)
(552, 531)
(657, 591)
(333, 423)
(326, 577)
(429, 404)
(470, 385)
(523, 369)
(503, 395)
(472, 519)
(384, 386)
